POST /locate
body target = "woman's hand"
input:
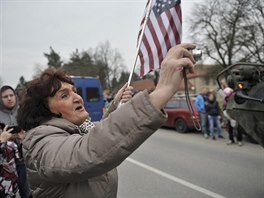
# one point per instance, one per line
(171, 75)
(123, 95)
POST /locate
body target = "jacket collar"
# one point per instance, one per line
(63, 124)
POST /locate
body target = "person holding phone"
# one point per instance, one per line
(8, 113)
(8, 154)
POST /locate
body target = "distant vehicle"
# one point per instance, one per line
(90, 89)
(179, 116)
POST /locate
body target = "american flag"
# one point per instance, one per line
(163, 30)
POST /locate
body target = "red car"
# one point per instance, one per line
(179, 116)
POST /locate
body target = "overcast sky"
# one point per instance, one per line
(29, 27)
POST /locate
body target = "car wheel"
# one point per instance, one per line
(180, 125)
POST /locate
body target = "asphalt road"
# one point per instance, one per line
(170, 164)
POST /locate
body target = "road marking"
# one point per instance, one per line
(175, 179)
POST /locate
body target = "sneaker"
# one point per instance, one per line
(220, 136)
(205, 136)
(240, 144)
(213, 138)
(230, 142)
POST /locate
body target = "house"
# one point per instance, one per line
(204, 75)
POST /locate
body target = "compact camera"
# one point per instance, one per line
(197, 54)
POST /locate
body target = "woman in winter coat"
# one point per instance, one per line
(213, 112)
(68, 156)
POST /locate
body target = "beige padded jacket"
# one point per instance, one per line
(62, 163)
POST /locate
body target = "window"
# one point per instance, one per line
(172, 104)
(92, 94)
(79, 91)
(183, 104)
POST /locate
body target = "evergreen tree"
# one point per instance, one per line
(20, 86)
(81, 64)
(54, 59)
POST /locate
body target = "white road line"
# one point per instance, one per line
(175, 179)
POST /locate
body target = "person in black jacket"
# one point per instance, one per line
(213, 112)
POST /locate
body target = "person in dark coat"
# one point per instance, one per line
(213, 112)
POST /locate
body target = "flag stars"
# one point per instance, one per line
(163, 5)
(155, 46)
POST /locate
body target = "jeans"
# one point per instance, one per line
(22, 181)
(203, 118)
(214, 120)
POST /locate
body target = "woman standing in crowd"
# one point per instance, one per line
(232, 125)
(65, 160)
(213, 111)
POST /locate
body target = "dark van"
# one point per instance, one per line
(91, 91)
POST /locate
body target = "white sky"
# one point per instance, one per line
(29, 27)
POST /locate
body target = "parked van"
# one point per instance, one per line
(91, 91)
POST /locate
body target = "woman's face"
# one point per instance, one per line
(69, 104)
(211, 97)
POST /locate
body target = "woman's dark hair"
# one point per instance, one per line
(33, 108)
(211, 93)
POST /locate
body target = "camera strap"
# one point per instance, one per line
(194, 118)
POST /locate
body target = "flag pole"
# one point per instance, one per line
(139, 42)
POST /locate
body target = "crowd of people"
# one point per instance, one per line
(50, 148)
(213, 117)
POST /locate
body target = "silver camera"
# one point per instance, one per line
(197, 54)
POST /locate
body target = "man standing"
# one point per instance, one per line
(8, 113)
(200, 106)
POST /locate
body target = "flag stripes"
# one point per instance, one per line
(163, 30)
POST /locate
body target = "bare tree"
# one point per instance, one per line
(229, 30)
(111, 62)
(253, 34)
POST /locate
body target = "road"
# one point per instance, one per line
(170, 164)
